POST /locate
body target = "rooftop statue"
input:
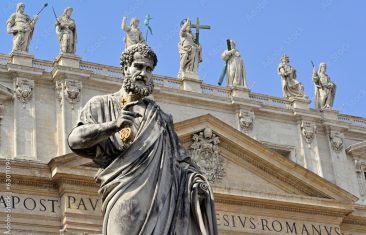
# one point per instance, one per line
(325, 89)
(148, 184)
(190, 52)
(291, 88)
(22, 28)
(66, 32)
(235, 69)
(133, 33)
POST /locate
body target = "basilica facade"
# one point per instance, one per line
(276, 165)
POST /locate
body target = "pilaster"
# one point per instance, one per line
(24, 119)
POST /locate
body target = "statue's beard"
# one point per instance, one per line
(130, 86)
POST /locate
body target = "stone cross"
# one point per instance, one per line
(197, 26)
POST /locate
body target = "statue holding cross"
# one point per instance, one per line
(190, 50)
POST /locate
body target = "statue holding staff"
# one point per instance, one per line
(66, 32)
(22, 28)
(325, 89)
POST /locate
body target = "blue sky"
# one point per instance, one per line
(330, 31)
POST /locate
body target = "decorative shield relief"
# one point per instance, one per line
(205, 153)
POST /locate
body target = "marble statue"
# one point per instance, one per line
(133, 33)
(291, 88)
(148, 183)
(22, 27)
(325, 89)
(190, 52)
(66, 32)
(235, 72)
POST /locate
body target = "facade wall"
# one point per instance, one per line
(36, 130)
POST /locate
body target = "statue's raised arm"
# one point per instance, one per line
(133, 33)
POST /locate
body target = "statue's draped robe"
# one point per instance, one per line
(235, 72)
(133, 36)
(325, 91)
(290, 86)
(22, 29)
(190, 53)
(150, 187)
(67, 34)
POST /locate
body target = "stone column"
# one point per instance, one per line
(24, 119)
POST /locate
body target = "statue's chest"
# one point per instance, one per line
(21, 20)
(323, 79)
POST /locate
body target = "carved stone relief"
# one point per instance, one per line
(205, 153)
(336, 141)
(24, 90)
(246, 120)
(70, 90)
(308, 130)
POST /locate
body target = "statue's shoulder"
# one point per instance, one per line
(99, 100)
(164, 115)
(12, 17)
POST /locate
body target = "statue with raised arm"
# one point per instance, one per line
(66, 32)
(325, 89)
(148, 184)
(291, 88)
(22, 27)
(133, 33)
(190, 52)
(235, 72)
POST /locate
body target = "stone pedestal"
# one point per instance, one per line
(22, 58)
(68, 60)
(190, 84)
(188, 75)
(330, 114)
(300, 103)
(240, 92)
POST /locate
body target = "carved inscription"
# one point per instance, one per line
(268, 225)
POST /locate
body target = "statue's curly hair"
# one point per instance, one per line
(143, 49)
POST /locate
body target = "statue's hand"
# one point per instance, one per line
(35, 18)
(125, 118)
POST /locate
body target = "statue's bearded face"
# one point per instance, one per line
(138, 76)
